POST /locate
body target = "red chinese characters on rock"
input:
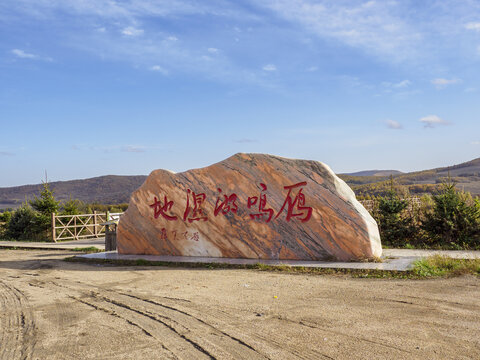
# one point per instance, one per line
(195, 236)
(163, 234)
(296, 204)
(196, 213)
(262, 202)
(226, 205)
(158, 209)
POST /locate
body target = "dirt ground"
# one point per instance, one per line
(51, 309)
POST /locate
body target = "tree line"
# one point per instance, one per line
(449, 219)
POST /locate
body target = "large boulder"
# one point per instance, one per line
(249, 206)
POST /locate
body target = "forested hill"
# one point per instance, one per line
(465, 175)
(110, 189)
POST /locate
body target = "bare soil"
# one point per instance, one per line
(51, 309)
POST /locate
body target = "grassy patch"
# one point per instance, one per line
(437, 265)
(423, 246)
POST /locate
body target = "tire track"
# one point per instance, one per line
(192, 316)
(214, 339)
(205, 338)
(175, 345)
(17, 326)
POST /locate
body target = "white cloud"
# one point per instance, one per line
(132, 31)
(22, 54)
(312, 68)
(133, 149)
(473, 26)
(6, 153)
(441, 83)
(159, 69)
(430, 121)
(245, 141)
(402, 84)
(392, 124)
(470, 90)
(475, 142)
(125, 20)
(379, 28)
(269, 67)
(212, 50)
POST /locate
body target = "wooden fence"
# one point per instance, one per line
(82, 226)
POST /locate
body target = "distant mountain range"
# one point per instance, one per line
(375, 182)
(113, 189)
(375, 173)
(109, 189)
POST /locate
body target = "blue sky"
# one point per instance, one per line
(93, 87)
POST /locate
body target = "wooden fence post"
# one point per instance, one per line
(95, 223)
(54, 232)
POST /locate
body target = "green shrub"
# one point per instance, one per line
(4, 220)
(26, 224)
(454, 219)
(72, 207)
(396, 227)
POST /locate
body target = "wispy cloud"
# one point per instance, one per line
(114, 24)
(392, 124)
(312, 68)
(112, 148)
(402, 84)
(431, 121)
(245, 141)
(441, 83)
(270, 67)
(133, 149)
(377, 27)
(475, 143)
(132, 31)
(6, 153)
(22, 54)
(159, 69)
(473, 26)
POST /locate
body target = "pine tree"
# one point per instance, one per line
(46, 204)
(395, 228)
(455, 218)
